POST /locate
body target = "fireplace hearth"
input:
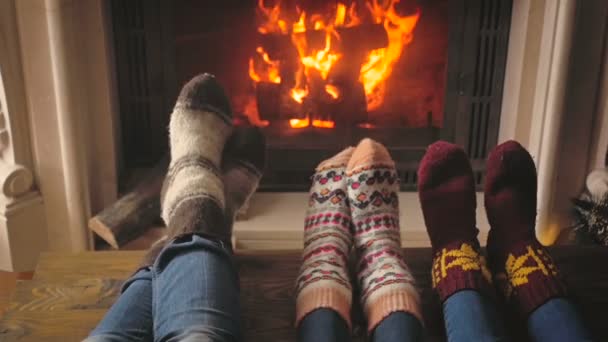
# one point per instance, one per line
(317, 76)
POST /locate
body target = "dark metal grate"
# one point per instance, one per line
(479, 33)
(137, 36)
(409, 179)
(489, 38)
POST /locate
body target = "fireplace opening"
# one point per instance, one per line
(317, 76)
(343, 66)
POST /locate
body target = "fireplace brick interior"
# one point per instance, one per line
(300, 69)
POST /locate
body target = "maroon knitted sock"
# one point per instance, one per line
(447, 196)
(522, 268)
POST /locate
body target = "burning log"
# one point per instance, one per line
(349, 107)
(342, 101)
(362, 38)
(268, 96)
(278, 46)
(290, 108)
(331, 91)
(135, 212)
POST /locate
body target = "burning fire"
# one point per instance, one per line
(318, 58)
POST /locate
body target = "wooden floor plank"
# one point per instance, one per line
(8, 282)
(111, 264)
(61, 326)
(70, 293)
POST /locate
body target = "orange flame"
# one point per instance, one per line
(333, 91)
(299, 94)
(379, 65)
(321, 60)
(319, 63)
(268, 71)
(273, 22)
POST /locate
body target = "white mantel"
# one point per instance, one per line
(63, 128)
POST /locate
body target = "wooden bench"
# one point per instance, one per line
(69, 294)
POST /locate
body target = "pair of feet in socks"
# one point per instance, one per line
(353, 201)
(519, 266)
(214, 167)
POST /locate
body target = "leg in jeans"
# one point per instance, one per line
(470, 316)
(557, 320)
(196, 292)
(386, 283)
(323, 289)
(399, 327)
(460, 275)
(523, 269)
(195, 285)
(130, 318)
(323, 325)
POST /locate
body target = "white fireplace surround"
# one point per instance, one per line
(59, 124)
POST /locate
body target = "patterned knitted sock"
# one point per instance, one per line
(523, 269)
(243, 162)
(193, 191)
(324, 280)
(447, 196)
(386, 283)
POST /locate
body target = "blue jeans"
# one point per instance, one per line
(130, 318)
(557, 320)
(325, 325)
(469, 316)
(191, 293)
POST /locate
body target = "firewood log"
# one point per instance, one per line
(133, 213)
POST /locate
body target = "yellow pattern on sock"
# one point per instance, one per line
(518, 273)
(465, 258)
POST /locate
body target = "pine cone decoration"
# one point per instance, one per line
(591, 219)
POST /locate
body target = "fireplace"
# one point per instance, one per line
(317, 76)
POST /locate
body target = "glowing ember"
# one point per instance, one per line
(366, 125)
(303, 123)
(299, 123)
(323, 123)
(318, 58)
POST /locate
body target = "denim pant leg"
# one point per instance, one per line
(470, 316)
(557, 320)
(196, 292)
(130, 318)
(323, 325)
(399, 327)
